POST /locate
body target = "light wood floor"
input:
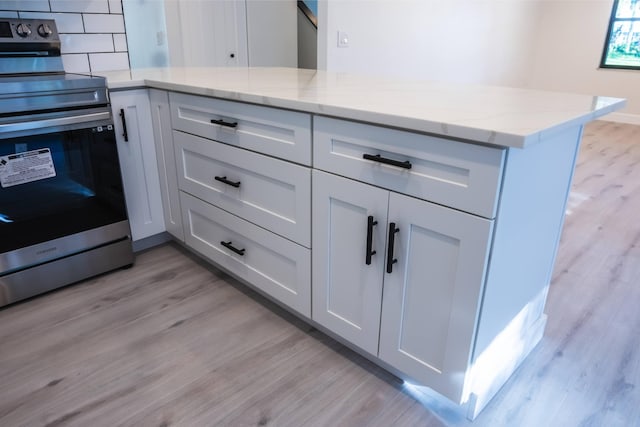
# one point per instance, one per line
(173, 342)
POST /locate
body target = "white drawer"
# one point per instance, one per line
(277, 266)
(271, 193)
(460, 175)
(279, 133)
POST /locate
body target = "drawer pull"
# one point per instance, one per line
(370, 253)
(229, 246)
(225, 124)
(392, 237)
(226, 181)
(378, 158)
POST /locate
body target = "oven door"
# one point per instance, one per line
(60, 188)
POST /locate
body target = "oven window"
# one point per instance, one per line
(58, 184)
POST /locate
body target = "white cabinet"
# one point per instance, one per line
(243, 189)
(136, 150)
(412, 268)
(163, 135)
(432, 256)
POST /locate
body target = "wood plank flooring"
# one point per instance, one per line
(174, 342)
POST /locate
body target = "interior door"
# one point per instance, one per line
(205, 33)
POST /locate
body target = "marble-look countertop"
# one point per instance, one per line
(501, 116)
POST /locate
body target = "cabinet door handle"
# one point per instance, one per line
(392, 237)
(229, 246)
(378, 158)
(370, 253)
(226, 181)
(225, 124)
(124, 125)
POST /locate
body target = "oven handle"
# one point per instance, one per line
(58, 121)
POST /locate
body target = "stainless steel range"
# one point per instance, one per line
(62, 211)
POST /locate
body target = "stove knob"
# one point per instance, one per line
(44, 30)
(23, 30)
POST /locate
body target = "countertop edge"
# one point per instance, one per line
(478, 135)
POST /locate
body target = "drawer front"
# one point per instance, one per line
(278, 133)
(276, 266)
(452, 173)
(271, 193)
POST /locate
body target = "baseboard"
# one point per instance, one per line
(151, 241)
(632, 119)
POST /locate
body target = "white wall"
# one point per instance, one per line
(453, 40)
(568, 48)
(542, 44)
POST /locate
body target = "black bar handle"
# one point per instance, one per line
(378, 158)
(223, 123)
(226, 181)
(370, 253)
(124, 125)
(229, 246)
(392, 238)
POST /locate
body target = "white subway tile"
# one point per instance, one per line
(101, 23)
(84, 6)
(76, 63)
(8, 14)
(120, 42)
(115, 6)
(109, 61)
(26, 5)
(83, 43)
(65, 22)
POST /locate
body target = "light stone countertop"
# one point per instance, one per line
(501, 116)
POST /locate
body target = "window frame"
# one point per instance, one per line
(607, 41)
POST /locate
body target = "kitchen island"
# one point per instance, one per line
(417, 222)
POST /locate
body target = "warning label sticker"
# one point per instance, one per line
(20, 168)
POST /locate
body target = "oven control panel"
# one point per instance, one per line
(16, 30)
(28, 37)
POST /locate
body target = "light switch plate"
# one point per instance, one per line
(343, 39)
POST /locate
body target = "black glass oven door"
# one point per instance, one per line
(57, 184)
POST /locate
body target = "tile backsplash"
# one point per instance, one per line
(92, 32)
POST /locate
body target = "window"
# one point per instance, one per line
(622, 47)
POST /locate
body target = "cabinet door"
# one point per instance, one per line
(347, 291)
(167, 172)
(432, 296)
(138, 162)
